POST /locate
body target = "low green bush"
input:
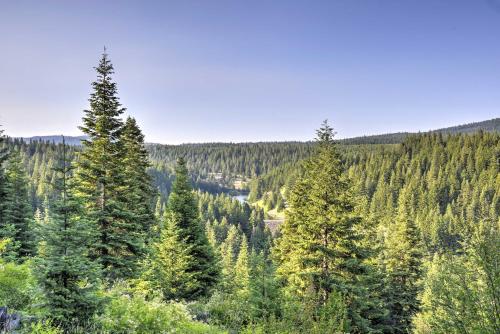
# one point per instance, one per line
(18, 288)
(132, 313)
(42, 327)
(228, 311)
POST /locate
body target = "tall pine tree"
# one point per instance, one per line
(242, 270)
(264, 288)
(318, 252)
(18, 216)
(101, 179)
(182, 204)
(402, 262)
(140, 194)
(68, 276)
(5, 230)
(229, 252)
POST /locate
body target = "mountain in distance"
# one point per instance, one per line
(492, 125)
(58, 139)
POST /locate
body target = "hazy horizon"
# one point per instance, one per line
(259, 141)
(226, 71)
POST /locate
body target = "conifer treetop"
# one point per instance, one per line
(325, 133)
(105, 107)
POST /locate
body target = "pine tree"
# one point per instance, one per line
(402, 262)
(212, 239)
(168, 268)
(264, 288)
(3, 150)
(182, 204)
(101, 180)
(67, 274)
(319, 251)
(461, 290)
(140, 194)
(158, 208)
(242, 270)
(38, 220)
(6, 230)
(229, 251)
(18, 217)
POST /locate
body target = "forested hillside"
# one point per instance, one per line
(430, 160)
(214, 168)
(118, 236)
(218, 167)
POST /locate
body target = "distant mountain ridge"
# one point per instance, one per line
(57, 139)
(492, 125)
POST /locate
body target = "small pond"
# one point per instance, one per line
(241, 197)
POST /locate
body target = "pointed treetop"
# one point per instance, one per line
(105, 68)
(131, 125)
(325, 133)
(181, 163)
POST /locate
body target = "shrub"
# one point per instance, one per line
(133, 313)
(42, 327)
(304, 316)
(228, 311)
(18, 289)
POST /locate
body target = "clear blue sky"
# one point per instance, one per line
(197, 71)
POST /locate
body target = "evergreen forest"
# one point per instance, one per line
(396, 233)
